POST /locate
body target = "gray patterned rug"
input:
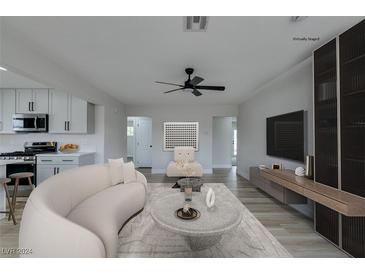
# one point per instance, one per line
(141, 237)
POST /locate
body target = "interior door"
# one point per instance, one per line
(24, 98)
(58, 111)
(143, 142)
(40, 100)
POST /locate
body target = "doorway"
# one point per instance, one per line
(224, 149)
(139, 141)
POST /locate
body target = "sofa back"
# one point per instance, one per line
(63, 192)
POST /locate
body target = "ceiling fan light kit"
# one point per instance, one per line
(192, 84)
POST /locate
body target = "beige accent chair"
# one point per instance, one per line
(186, 155)
(78, 213)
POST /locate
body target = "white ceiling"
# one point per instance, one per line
(10, 79)
(125, 55)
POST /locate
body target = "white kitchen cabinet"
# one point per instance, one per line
(58, 112)
(54, 163)
(40, 100)
(69, 114)
(31, 100)
(7, 109)
(44, 172)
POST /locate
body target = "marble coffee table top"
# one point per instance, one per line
(224, 216)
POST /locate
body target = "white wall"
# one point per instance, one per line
(289, 92)
(25, 59)
(175, 113)
(222, 142)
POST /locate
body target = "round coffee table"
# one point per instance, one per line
(203, 232)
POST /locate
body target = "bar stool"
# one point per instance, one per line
(17, 177)
(3, 182)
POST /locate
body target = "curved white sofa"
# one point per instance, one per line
(77, 213)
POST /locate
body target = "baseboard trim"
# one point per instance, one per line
(222, 166)
(243, 175)
(208, 171)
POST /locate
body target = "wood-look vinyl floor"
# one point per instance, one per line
(293, 230)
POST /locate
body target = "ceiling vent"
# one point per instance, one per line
(195, 23)
(298, 18)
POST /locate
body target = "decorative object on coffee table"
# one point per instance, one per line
(210, 198)
(190, 214)
(195, 182)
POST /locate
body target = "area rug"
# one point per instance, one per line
(142, 237)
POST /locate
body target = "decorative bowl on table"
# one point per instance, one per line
(69, 148)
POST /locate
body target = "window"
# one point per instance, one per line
(130, 131)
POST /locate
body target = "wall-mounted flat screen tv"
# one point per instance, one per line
(285, 136)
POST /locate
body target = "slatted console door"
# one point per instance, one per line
(340, 201)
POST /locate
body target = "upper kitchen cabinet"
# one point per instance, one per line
(69, 114)
(7, 109)
(32, 100)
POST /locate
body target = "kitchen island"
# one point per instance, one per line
(3, 164)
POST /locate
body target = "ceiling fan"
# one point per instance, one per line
(192, 84)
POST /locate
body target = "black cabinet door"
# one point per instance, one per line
(353, 235)
(325, 122)
(325, 116)
(352, 71)
(327, 223)
(352, 79)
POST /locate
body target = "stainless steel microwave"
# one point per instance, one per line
(30, 122)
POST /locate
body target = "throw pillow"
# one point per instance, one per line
(129, 172)
(116, 170)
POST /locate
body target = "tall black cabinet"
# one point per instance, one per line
(339, 91)
(352, 90)
(326, 142)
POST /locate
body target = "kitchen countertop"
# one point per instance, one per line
(8, 162)
(60, 154)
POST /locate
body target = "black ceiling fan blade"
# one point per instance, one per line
(171, 84)
(196, 92)
(211, 87)
(173, 90)
(196, 80)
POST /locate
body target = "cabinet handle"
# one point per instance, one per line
(32, 106)
(65, 125)
(29, 106)
(68, 125)
(66, 160)
(54, 171)
(58, 170)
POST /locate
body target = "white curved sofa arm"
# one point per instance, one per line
(46, 234)
(141, 178)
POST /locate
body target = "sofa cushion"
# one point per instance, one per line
(106, 212)
(116, 170)
(129, 172)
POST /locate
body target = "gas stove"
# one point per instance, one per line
(18, 155)
(30, 151)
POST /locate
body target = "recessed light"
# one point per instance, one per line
(4, 69)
